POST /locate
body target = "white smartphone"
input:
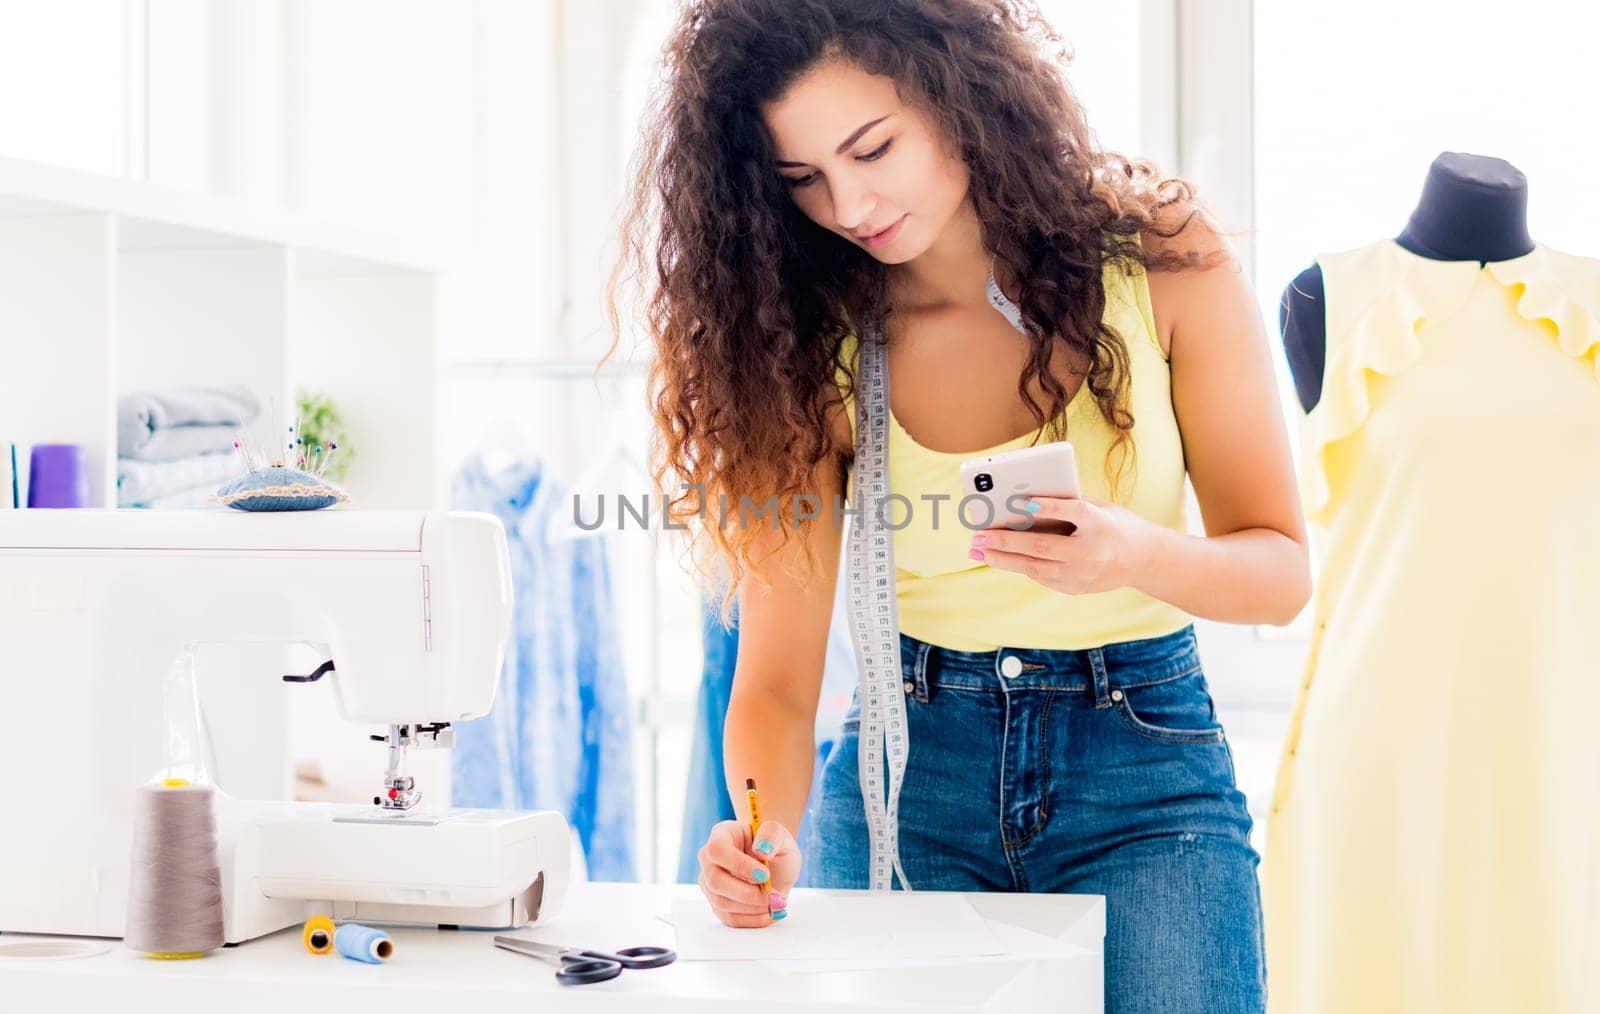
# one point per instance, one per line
(1005, 479)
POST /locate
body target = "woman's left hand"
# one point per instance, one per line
(1106, 551)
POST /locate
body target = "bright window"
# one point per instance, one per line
(1105, 68)
(1353, 102)
(61, 72)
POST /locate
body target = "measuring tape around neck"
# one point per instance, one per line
(1002, 302)
(874, 605)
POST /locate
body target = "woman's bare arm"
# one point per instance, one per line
(783, 638)
(1253, 566)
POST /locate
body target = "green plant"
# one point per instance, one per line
(320, 422)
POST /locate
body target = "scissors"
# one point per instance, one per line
(576, 967)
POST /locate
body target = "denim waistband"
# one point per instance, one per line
(1125, 664)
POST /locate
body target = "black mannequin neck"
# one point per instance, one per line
(1473, 208)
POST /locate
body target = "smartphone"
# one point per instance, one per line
(1005, 479)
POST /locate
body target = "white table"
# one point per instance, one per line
(460, 972)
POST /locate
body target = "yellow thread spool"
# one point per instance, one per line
(318, 934)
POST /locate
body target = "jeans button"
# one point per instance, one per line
(911, 687)
(1011, 667)
(1116, 695)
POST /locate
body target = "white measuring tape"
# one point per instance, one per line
(875, 617)
(1002, 302)
(874, 606)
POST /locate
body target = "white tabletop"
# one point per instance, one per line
(464, 969)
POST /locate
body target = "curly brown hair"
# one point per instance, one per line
(751, 301)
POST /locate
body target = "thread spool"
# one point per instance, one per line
(58, 476)
(175, 885)
(363, 943)
(318, 934)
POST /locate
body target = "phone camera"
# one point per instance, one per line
(984, 481)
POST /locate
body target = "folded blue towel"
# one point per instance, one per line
(198, 498)
(183, 421)
(141, 483)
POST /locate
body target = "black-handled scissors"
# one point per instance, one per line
(575, 967)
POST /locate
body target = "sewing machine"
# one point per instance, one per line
(409, 610)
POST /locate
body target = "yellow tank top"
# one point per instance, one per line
(950, 600)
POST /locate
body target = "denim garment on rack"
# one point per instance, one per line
(559, 736)
(705, 800)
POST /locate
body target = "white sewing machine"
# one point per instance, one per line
(411, 610)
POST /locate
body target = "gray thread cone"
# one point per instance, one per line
(174, 884)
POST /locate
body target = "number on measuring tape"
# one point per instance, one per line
(875, 620)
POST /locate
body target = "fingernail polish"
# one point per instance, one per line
(764, 847)
(975, 554)
(980, 540)
(778, 901)
(781, 913)
(1031, 507)
(761, 875)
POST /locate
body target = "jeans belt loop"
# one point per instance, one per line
(919, 674)
(1100, 682)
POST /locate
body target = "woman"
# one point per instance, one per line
(814, 159)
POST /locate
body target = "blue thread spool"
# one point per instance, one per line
(363, 943)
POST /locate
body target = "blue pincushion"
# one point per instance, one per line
(279, 489)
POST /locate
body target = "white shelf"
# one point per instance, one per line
(161, 218)
(109, 286)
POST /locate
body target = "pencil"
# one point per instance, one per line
(755, 821)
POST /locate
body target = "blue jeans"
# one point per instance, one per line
(1101, 771)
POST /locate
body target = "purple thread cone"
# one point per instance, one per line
(58, 476)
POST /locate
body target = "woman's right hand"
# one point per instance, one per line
(736, 872)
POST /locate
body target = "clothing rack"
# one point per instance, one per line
(648, 710)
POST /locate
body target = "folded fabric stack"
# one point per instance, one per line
(176, 446)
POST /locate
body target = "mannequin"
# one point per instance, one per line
(1473, 208)
(1433, 832)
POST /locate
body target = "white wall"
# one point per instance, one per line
(61, 66)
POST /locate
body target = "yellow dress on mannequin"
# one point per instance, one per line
(1434, 839)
